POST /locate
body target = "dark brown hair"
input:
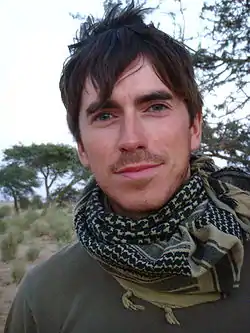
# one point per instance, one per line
(104, 49)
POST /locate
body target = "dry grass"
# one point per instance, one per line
(18, 270)
(32, 253)
(25, 241)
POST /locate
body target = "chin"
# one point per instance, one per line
(138, 207)
(140, 199)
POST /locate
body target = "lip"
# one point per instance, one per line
(137, 168)
(138, 171)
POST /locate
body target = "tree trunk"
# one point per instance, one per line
(47, 190)
(16, 207)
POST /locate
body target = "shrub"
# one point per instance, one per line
(17, 233)
(5, 211)
(57, 216)
(18, 271)
(37, 202)
(24, 203)
(60, 224)
(30, 217)
(70, 209)
(62, 234)
(9, 247)
(3, 226)
(25, 220)
(60, 245)
(15, 221)
(40, 228)
(32, 253)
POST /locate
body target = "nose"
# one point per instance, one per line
(132, 135)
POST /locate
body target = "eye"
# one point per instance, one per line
(157, 108)
(103, 116)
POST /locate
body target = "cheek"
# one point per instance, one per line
(172, 135)
(99, 152)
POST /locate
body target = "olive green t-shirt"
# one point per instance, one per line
(71, 293)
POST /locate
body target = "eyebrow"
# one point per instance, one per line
(159, 95)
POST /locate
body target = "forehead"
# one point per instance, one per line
(139, 78)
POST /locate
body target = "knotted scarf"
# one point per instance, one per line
(188, 252)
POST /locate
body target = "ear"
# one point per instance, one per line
(83, 157)
(196, 132)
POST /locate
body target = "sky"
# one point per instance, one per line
(34, 36)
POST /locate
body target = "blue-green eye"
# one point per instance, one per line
(103, 116)
(157, 108)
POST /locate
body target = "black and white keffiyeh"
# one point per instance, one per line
(192, 246)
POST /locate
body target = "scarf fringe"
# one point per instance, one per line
(170, 316)
(130, 305)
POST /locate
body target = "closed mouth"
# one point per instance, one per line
(137, 168)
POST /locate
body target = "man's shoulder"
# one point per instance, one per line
(50, 291)
(234, 176)
(63, 266)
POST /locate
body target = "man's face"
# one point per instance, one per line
(138, 144)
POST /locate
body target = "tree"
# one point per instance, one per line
(229, 141)
(225, 65)
(51, 162)
(107, 4)
(17, 182)
(65, 194)
(226, 28)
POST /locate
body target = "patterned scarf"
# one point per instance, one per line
(188, 252)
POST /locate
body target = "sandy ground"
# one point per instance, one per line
(7, 288)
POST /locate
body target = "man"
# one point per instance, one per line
(161, 230)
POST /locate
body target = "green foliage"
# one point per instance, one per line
(230, 141)
(36, 202)
(227, 29)
(15, 222)
(18, 271)
(17, 181)
(40, 228)
(56, 224)
(49, 161)
(3, 226)
(60, 224)
(27, 165)
(65, 194)
(16, 232)
(32, 253)
(9, 246)
(24, 221)
(226, 64)
(70, 209)
(24, 203)
(62, 233)
(5, 211)
(30, 217)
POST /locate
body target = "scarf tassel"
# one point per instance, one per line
(129, 304)
(170, 316)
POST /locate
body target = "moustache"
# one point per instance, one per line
(127, 158)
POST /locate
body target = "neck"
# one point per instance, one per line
(135, 215)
